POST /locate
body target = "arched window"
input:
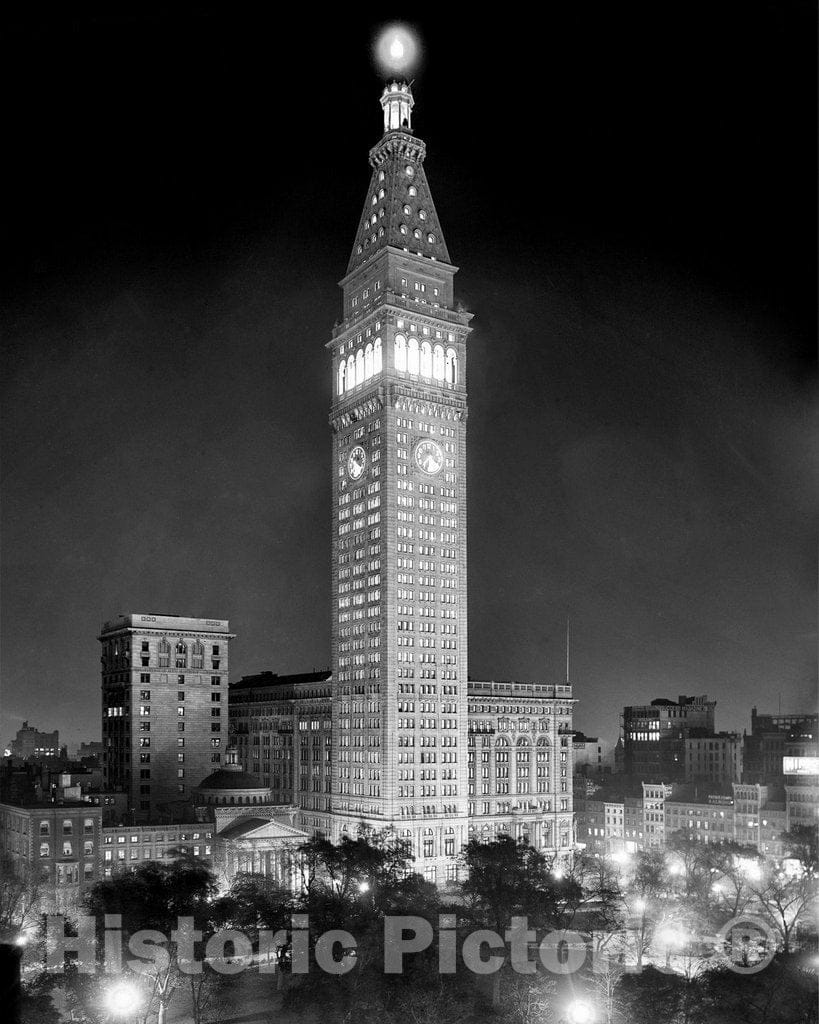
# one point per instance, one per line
(377, 357)
(426, 359)
(359, 367)
(350, 383)
(198, 655)
(417, 233)
(181, 655)
(438, 363)
(341, 368)
(400, 352)
(451, 366)
(403, 229)
(381, 193)
(412, 355)
(412, 191)
(368, 361)
(374, 218)
(164, 653)
(374, 200)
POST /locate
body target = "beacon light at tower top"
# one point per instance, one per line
(397, 50)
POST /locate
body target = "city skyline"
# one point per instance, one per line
(640, 407)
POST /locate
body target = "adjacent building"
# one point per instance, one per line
(54, 847)
(654, 736)
(31, 744)
(164, 707)
(717, 758)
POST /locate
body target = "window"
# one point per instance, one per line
(412, 356)
(400, 352)
(181, 655)
(45, 850)
(451, 375)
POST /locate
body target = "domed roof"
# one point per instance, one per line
(224, 778)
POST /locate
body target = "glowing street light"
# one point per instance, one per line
(123, 999)
(580, 1012)
(363, 886)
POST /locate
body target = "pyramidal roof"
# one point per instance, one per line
(398, 210)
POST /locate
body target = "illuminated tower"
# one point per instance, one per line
(399, 633)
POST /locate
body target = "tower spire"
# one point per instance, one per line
(397, 104)
(398, 212)
(567, 649)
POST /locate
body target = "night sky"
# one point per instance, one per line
(630, 193)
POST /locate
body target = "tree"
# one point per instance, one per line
(154, 896)
(650, 997)
(802, 843)
(20, 897)
(733, 868)
(785, 900)
(506, 878)
(781, 994)
(649, 883)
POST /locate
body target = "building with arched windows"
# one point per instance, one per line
(396, 735)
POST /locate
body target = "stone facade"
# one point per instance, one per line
(55, 847)
(164, 708)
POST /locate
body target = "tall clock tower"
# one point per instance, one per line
(399, 573)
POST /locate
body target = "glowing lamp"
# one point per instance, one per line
(123, 999)
(580, 1012)
(397, 50)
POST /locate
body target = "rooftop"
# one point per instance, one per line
(274, 679)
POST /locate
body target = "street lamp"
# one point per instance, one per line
(363, 886)
(580, 1012)
(123, 1000)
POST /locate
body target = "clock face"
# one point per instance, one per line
(356, 462)
(428, 457)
